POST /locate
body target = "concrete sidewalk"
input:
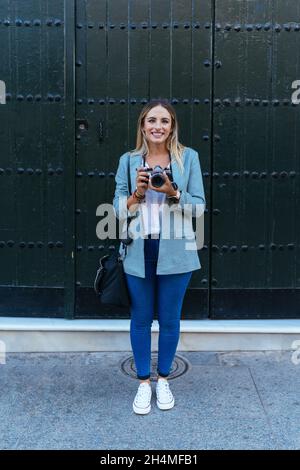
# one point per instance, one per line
(230, 400)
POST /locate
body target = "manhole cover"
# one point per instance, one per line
(179, 367)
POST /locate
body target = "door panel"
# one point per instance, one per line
(255, 196)
(36, 145)
(127, 53)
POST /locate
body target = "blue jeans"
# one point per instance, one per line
(164, 293)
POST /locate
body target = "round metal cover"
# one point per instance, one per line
(179, 367)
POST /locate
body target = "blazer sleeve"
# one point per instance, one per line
(193, 200)
(121, 190)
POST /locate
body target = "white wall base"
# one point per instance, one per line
(59, 335)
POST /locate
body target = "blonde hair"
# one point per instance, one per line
(175, 148)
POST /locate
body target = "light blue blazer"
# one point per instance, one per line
(173, 256)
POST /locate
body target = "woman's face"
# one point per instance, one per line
(157, 125)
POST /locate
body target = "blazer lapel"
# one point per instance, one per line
(178, 177)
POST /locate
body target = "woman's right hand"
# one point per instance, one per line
(142, 180)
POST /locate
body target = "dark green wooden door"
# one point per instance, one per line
(255, 161)
(128, 52)
(77, 74)
(37, 159)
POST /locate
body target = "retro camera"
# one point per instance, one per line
(157, 175)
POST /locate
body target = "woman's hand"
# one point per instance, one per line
(142, 180)
(165, 188)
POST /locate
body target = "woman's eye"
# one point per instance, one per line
(164, 122)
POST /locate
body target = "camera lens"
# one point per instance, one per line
(157, 177)
(157, 180)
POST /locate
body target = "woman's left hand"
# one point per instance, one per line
(165, 188)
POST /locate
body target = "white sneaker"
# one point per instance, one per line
(142, 401)
(165, 399)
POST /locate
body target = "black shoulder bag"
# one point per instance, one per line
(110, 282)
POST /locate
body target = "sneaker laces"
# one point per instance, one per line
(142, 393)
(166, 388)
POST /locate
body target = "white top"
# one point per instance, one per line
(151, 210)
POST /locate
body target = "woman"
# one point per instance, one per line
(158, 265)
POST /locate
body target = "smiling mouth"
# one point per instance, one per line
(157, 134)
